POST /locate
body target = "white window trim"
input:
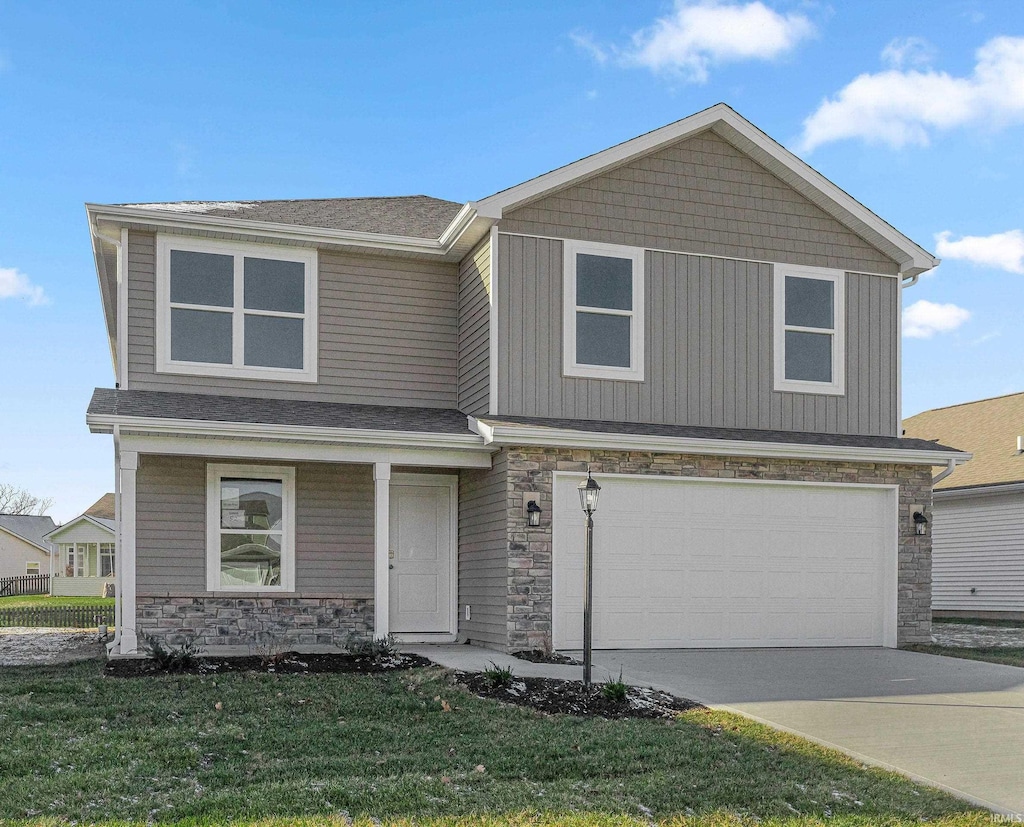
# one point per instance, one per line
(837, 387)
(214, 473)
(570, 367)
(29, 564)
(236, 370)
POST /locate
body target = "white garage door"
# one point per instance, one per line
(681, 563)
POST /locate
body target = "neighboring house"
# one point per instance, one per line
(978, 533)
(85, 552)
(331, 415)
(24, 549)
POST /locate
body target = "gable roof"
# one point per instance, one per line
(988, 428)
(741, 133)
(100, 522)
(30, 528)
(414, 216)
(103, 508)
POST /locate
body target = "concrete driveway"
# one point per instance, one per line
(951, 723)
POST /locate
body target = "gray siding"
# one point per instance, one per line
(388, 333)
(978, 542)
(701, 195)
(333, 533)
(475, 330)
(483, 553)
(708, 348)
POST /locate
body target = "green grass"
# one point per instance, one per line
(45, 601)
(303, 750)
(1008, 655)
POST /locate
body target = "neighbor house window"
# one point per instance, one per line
(76, 560)
(809, 330)
(106, 559)
(251, 528)
(235, 310)
(31, 568)
(603, 324)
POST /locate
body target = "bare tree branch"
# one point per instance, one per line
(14, 500)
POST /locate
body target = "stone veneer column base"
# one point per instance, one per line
(286, 622)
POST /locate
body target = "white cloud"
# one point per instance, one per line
(904, 106)
(1004, 251)
(698, 35)
(16, 285)
(908, 51)
(586, 42)
(923, 319)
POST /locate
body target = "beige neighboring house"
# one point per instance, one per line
(83, 565)
(24, 549)
(978, 531)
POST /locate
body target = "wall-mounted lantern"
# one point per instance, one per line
(533, 514)
(920, 523)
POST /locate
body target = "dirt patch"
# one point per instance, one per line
(540, 656)
(573, 698)
(290, 663)
(38, 646)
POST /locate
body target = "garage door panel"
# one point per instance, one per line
(706, 563)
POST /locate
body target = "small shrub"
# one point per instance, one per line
(173, 658)
(269, 650)
(499, 675)
(615, 691)
(376, 649)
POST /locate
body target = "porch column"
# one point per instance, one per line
(129, 467)
(381, 547)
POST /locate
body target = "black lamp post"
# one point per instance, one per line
(589, 492)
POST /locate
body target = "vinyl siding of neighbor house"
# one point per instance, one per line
(333, 533)
(708, 348)
(84, 532)
(475, 329)
(483, 553)
(388, 333)
(15, 553)
(701, 195)
(978, 542)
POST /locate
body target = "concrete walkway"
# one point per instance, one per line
(950, 723)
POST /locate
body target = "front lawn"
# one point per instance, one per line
(1008, 655)
(47, 602)
(244, 747)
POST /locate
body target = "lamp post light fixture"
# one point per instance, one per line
(532, 514)
(920, 524)
(590, 491)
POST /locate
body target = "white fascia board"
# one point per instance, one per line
(104, 423)
(781, 161)
(80, 518)
(512, 435)
(978, 491)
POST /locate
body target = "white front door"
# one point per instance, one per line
(422, 534)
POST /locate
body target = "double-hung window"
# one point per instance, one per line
(603, 324)
(809, 330)
(31, 568)
(234, 310)
(250, 528)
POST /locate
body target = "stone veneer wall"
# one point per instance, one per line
(529, 567)
(288, 622)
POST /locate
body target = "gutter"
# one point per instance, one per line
(950, 468)
(513, 435)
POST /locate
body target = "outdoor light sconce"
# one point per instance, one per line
(532, 514)
(920, 523)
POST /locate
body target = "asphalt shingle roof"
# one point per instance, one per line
(29, 527)
(414, 216)
(988, 428)
(102, 509)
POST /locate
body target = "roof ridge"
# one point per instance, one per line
(970, 402)
(287, 200)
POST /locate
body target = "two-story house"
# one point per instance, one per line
(332, 416)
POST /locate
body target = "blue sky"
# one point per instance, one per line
(916, 109)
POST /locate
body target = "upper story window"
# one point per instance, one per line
(809, 330)
(603, 324)
(235, 310)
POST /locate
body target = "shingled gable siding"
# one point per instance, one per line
(483, 553)
(708, 348)
(475, 329)
(529, 557)
(388, 333)
(333, 565)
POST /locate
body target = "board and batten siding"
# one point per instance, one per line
(333, 531)
(700, 195)
(978, 542)
(388, 333)
(475, 330)
(708, 348)
(483, 553)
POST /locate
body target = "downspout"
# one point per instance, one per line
(950, 468)
(118, 623)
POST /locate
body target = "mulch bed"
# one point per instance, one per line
(540, 656)
(290, 663)
(573, 698)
